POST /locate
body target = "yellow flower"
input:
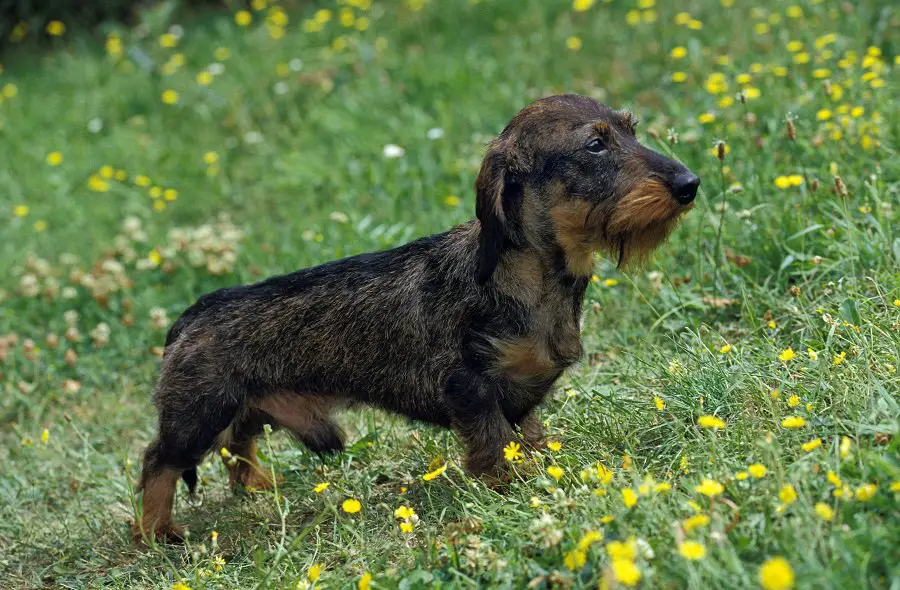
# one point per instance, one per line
(895, 486)
(404, 513)
(695, 521)
(365, 582)
(512, 451)
(741, 475)
(97, 184)
(679, 76)
(629, 498)
(141, 180)
(204, 78)
(10, 90)
(811, 445)
(451, 201)
(725, 349)
(406, 527)
(554, 445)
(787, 494)
(603, 474)
(786, 355)
(772, 323)
(39, 225)
(436, 473)
(813, 355)
(56, 28)
(243, 18)
(575, 559)
(757, 470)
(776, 574)
(838, 358)
(833, 479)
(610, 282)
(659, 403)
(678, 52)
(710, 487)
(315, 570)
(180, 586)
(169, 96)
(705, 118)
(45, 436)
(692, 550)
(582, 5)
(170, 194)
(321, 487)
(621, 550)
(823, 114)
(21, 210)
(711, 422)
(793, 401)
(845, 446)
(824, 511)
(662, 487)
(351, 506)
(864, 493)
(573, 43)
(794, 422)
(222, 53)
(114, 45)
(168, 40)
(626, 572)
(54, 158)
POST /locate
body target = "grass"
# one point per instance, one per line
(287, 140)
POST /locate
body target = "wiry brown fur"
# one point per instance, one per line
(468, 329)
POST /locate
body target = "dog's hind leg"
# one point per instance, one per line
(240, 440)
(190, 423)
(477, 417)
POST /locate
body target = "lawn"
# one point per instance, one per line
(733, 424)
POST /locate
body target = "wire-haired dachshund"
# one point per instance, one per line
(467, 329)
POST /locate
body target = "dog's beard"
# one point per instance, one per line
(639, 223)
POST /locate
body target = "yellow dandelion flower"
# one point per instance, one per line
(365, 582)
(406, 527)
(786, 355)
(554, 445)
(794, 422)
(556, 472)
(512, 451)
(39, 225)
(824, 511)
(168, 40)
(692, 550)
(787, 494)
(243, 18)
(678, 52)
(866, 492)
(97, 184)
(811, 445)
(169, 96)
(404, 513)
(776, 574)
(54, 158)
(10, 90)
(451, 201)
(56, 28)
(709, 487)
(793, 401)
(114, 45)
(705, 118)
(895, 486)
(741, 475)
(180, 586)
(204, 78)
(321, 487)
(696, 521)
(582, 5)
(435, 474)
(659, 403)
(833, 479)
(679, 77)
(725, 349)
(813, 355)
(21, 210)
(351, 506)
(662, 487)
(710, 422)
(573, 43)
(45, 436)
(629, 498)
(315, 570)
(603, 474)
(757, 470)
(626, 572)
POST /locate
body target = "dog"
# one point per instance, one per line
(467, 329)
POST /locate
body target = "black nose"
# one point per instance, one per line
(684, 187)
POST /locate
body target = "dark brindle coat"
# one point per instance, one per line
(466, 329)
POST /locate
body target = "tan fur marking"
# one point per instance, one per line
(296, 412)
(578, 240)
(519, 276)
(524, 359)
(159, 497)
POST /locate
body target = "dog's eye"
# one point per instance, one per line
(595, 146)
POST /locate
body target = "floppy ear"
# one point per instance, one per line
(489, 189)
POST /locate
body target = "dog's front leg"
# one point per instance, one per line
(478, 419)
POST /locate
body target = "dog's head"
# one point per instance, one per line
(568, 170)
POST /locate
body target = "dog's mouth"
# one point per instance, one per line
(641, 221)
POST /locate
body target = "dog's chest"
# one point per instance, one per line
(550, 344)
